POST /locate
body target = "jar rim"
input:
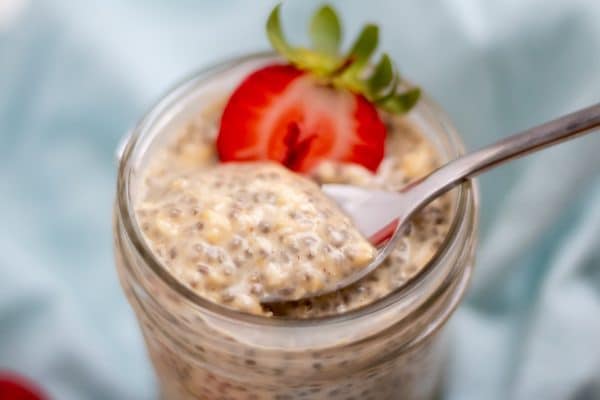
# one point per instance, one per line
(135, 235)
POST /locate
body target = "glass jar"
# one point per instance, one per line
(391, 349)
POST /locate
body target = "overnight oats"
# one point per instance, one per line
(219, 204)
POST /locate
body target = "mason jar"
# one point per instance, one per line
(394, 348)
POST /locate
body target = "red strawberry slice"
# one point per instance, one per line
(283, 114)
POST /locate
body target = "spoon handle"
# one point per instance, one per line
(534, 139)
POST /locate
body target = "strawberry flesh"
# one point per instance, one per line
(281, 113)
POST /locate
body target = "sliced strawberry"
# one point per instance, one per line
(283, 114)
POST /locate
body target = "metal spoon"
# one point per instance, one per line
(381, 215)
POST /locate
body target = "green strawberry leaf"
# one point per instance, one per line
(277, 38)
(400, 103)
(391, 88)
(382, 76)
(364, 46)
(325, 31)
(357, 58)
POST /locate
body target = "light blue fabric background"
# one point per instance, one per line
(74, 75)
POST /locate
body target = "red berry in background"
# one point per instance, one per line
(15, 387)
(283, 114)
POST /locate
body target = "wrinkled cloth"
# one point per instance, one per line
(75, 75)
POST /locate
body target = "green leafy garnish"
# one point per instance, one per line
(383, 75)
(318, 62)
(400, 103)
(353, 70)
(325, 31)
(364, 46)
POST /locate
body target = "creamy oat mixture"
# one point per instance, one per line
(237, 231)
(234, 231)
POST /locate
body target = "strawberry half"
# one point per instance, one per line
(321, 106)
(284, 114)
